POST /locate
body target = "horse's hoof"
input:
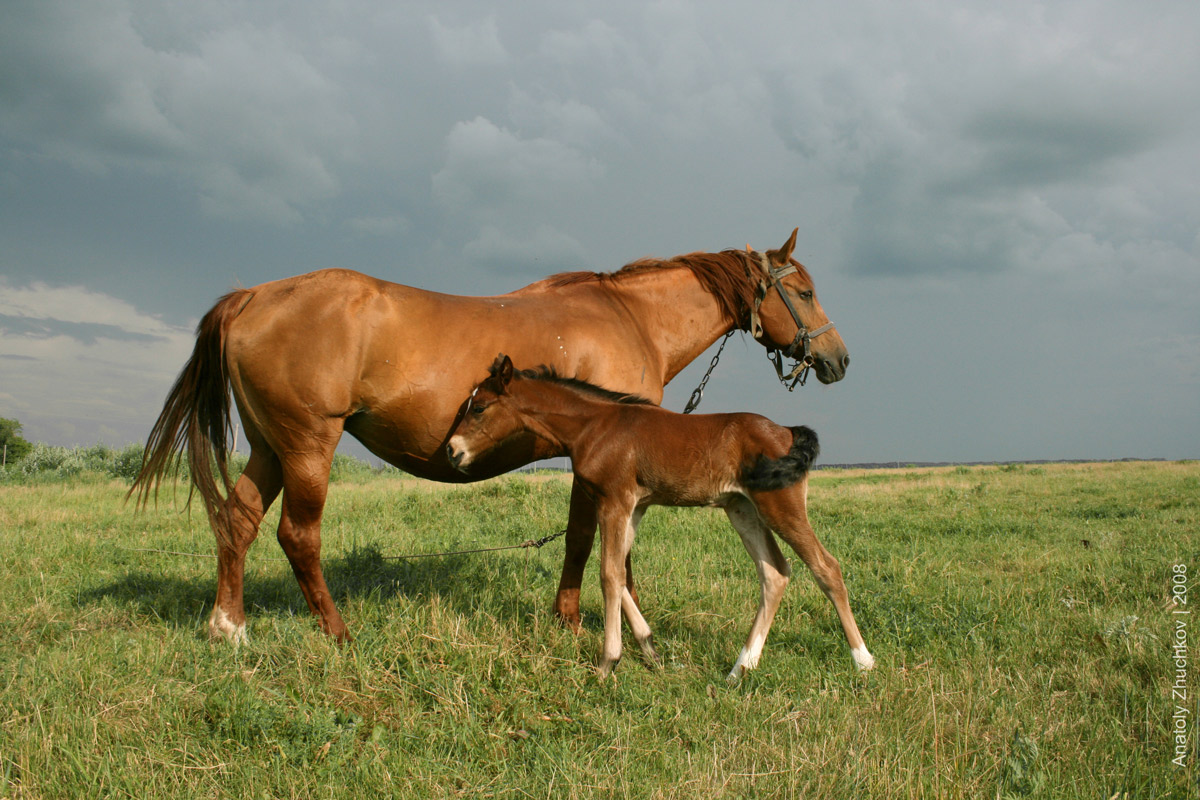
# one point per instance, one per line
(222, 629)
(570, 622)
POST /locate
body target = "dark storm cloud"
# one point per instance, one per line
(955, 169)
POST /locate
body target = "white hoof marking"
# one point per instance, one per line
(863, 659)
(220, 626)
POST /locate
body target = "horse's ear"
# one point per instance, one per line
(784, 254)
(505, 372)
(496, 366)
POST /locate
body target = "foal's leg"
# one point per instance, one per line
(633, 614)
(773, 574)
(252, 495)
(786, 512)
(581, 534)
(305, 484)
(615, 527)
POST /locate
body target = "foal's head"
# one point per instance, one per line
(488, 419)
(509, 402)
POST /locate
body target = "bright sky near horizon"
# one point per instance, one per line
(998, 202)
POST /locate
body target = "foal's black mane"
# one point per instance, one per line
(548, 374)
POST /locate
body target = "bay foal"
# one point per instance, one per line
(629, 454)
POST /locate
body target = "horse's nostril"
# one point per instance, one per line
(845, 361)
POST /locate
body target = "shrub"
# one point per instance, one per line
(127, 462)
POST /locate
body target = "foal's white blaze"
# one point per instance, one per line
(220, 626)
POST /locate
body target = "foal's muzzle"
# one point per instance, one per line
(455, 457)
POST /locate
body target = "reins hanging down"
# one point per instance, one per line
(534, 543)
(528, 543)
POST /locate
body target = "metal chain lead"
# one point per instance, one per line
(694, 401)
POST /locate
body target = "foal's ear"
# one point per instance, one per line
(502, 369)
(497, 364)
(784, 254)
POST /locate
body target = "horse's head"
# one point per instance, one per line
(787, 318)
(487, 419)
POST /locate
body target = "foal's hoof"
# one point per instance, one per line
(653, 659)
(863, 660)
(605, 668)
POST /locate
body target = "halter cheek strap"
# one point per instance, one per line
(771, 277)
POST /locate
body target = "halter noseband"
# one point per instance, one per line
(802, 342)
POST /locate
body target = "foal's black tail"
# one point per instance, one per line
(767, 474)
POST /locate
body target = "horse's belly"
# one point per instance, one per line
(419, 453)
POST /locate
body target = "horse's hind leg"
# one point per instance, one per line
(252, 495)
(786, 512)
(305, 484)
(773, 575)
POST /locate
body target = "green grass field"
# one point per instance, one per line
(1022, 618)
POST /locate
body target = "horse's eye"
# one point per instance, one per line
(477, 410)
(806, 295)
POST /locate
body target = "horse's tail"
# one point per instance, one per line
(196, 416)
(767, 474)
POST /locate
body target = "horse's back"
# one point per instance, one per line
(397, 362)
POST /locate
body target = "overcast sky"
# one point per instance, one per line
(999, 202)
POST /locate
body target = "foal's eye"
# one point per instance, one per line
(477, 410)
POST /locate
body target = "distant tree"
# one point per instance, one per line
(13, 447)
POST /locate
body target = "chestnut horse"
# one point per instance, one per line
(310, 357)
(628, 454)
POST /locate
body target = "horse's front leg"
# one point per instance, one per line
(581, 534)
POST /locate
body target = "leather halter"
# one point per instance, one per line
(800, 347)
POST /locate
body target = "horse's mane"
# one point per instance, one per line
(725, 275)
(549, 375)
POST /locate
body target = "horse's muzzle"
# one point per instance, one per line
(455, 458)
(831, 370)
